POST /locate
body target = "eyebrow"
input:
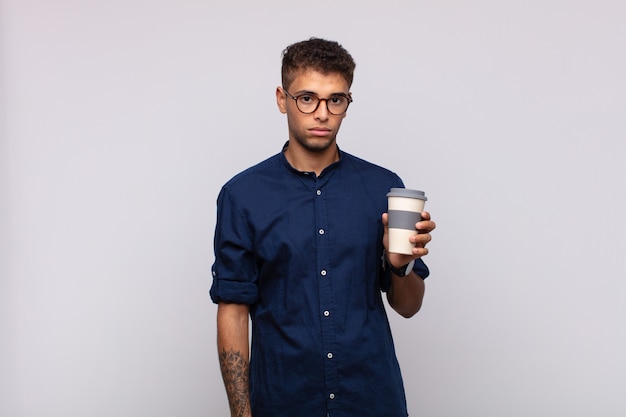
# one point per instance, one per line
(313, 93)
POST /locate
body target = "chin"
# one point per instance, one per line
(318, 144)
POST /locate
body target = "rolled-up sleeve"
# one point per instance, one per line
(235, 274)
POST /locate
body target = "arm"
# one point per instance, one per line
(406, 293)
(232, 346)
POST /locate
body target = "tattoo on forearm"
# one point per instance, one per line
(235, 371)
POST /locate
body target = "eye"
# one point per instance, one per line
(306, 99)
(337, 99)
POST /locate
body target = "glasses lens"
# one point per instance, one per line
(307, 103)
(337, 104)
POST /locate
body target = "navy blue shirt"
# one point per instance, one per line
(304, 251)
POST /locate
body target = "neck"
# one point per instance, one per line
(311, 161)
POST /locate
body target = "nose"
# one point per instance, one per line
(321, 113)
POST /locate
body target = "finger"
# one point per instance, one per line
(420, 240)
(425, 226)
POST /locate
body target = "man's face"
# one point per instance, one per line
(317, 131)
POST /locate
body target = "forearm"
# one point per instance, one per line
(406, 294)
(234, 357)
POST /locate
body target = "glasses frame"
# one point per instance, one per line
(319, 100)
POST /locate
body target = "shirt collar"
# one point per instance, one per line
(330, 168)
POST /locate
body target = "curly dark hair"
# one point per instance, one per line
(316, 54)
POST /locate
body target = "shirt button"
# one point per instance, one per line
(321, 231)
(323, 272)
(319, 192)
(331, 396)
(330, 355)
(326, 313)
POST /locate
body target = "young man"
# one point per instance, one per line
(299, 248)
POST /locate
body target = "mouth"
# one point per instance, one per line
(320, 131)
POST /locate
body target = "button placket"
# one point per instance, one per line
(324, 260)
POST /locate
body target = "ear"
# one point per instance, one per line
(346, 113)
(281, 100)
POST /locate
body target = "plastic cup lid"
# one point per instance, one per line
(405, 192)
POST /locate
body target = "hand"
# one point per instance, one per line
(419, 240)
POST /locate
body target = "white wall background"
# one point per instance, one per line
(121, 119)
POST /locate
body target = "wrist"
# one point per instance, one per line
(401, 271)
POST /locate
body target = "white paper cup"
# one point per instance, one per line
(404, 208)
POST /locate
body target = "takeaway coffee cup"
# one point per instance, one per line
(404, 210)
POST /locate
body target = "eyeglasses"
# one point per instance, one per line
(308, 103)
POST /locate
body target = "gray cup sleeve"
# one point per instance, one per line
(400, 219)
